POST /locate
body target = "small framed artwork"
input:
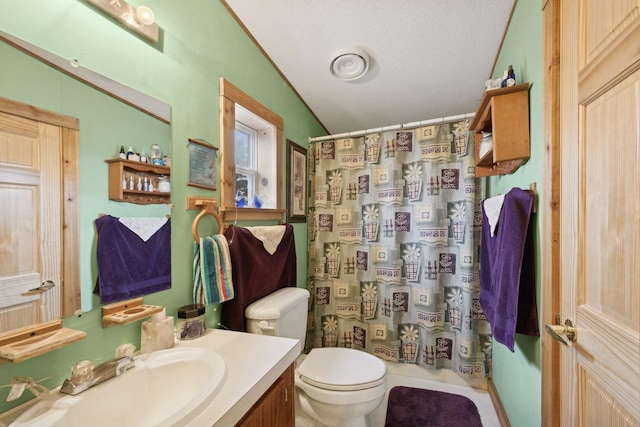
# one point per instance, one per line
(202, 164)
(296, 182)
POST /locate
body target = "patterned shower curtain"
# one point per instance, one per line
(394, 235)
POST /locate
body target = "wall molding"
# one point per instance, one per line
(497, 404)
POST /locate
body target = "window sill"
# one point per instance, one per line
(230, 214)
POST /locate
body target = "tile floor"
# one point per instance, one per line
(443, 380)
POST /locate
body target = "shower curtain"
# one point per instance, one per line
(394, 235)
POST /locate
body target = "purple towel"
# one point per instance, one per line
(507, 270)
(129, 267)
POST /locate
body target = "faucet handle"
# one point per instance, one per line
(21, 383)
(125, 350)
(82, 372)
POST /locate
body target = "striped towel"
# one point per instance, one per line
(212, 282)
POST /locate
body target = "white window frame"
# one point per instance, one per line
(251, 169)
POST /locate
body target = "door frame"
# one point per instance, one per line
(70, 134)
(550, 245)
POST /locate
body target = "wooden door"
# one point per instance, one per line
(31, 188)
(597, 181)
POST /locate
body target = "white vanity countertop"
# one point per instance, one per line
(253, 361)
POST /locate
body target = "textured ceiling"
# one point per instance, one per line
(429, 58)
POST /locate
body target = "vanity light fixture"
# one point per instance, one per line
(144, 15)
(141, 20)
(349, 63)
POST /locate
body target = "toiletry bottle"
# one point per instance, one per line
(124, 182)
(511, 76)
(145, 184)
(131, 184)
(505, 76)
(130, 153)
(157, 333)
(139, 183)
(122, 154)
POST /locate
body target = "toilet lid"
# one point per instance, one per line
(335, 368)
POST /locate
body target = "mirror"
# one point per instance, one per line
(110, 116)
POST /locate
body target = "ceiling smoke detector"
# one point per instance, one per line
(349, 63)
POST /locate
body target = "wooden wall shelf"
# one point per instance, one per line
(31, 341)
(121, 313)
(504, 112)
(127, 168)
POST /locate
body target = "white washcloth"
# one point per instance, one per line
(143, 227)
(492, 208)
(270, 236)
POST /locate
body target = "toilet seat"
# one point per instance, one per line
(342, 369)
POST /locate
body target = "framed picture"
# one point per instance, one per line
(296, 183)
(202, 164)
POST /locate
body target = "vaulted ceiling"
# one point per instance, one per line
(427, 58)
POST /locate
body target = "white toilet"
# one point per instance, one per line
(335, 386)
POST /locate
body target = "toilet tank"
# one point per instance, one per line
(282, 313)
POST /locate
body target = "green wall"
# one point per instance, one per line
(517, 375)
(200, 42)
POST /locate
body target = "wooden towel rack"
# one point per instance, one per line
(534, 190)
(209, 206)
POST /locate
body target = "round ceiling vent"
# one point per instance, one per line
(349, 63)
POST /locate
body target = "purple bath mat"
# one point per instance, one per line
(417, 407)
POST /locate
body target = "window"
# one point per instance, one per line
(251, 162)
(246, 170)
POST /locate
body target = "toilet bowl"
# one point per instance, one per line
(335, 386)
(340, 386)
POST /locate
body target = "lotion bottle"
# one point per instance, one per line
(157, 333)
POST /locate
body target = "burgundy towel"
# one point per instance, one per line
(255, 272)
(129, 267)
(507, 270)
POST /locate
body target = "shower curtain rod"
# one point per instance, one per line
(439, 121)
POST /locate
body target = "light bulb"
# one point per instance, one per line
(144, 15)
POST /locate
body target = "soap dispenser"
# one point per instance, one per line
(157, 333)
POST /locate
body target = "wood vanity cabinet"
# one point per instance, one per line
(119, 168)
(504, 112)
(276, 406)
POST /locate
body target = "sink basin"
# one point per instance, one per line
(165, 388)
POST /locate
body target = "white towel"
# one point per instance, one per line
(144, 227)
(270, 236)
(492, 208)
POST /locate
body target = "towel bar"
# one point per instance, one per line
(209, 207)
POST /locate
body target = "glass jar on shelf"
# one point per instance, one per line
(164, 185)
